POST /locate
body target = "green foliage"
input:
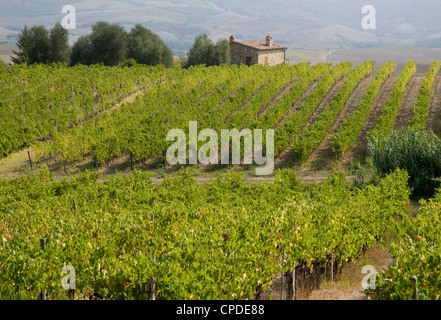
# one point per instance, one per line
(59, 44)
(82, 51)
(418, 253)
(316, 131)
(205, 52)
(201, 52)
(352, 125)
(46, 100)
(222, 52)
(216, 240)
(289, 130)
(128, 63)
(420, 112)
(108, 44)
(23, 42)
(415, 150)
(359, 172)
(208, 94)
(39, 45)
(147, 48)
(384, 124)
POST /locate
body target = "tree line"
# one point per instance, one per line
(111, 45)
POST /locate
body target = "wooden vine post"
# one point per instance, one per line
(414, 279)
(294, 283)
(164, 153)
(332, 267)
(151, 287)
(43, 247)
(283, 274)
(30, 161)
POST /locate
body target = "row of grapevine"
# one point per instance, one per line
(352, 125)
(420, 112)
(418, 254)
(153, 134)
(384, 124)
(288, 130)
(236, 100)
(217, 240)
(262, 99)
(38, 101)
(240, 99)
(186, 86)
(273, 113)
(71, 122)
(316, 131)
(140, 128)
(276, 112)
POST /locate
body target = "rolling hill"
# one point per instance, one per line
(297, 24)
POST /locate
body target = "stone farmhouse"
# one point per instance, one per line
(256, 52)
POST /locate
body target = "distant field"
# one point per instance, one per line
(423, 57)
(6, 52)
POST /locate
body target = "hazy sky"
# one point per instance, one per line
(308, 24)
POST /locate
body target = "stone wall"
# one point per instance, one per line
(240, 52)
(272, 57)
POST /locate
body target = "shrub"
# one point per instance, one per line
(415, 150)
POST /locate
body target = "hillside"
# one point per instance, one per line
(302, 24)
(289, 99)
(86, 186)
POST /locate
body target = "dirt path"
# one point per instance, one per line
(377, 106)
(410, 96)
(434, 121)
(324, 156)
(15, 164)
(284, 158)
(347, 283)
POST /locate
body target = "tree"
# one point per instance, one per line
(59, 44)
(35, 45)
(39, 45)
(222, 52)
(147, 48)
(81, 51)
(204, 51)
(108, 44)
(23, 41)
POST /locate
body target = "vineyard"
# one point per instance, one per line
(99, 115)
(219, 238)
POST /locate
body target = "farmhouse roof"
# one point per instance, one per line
(261, 45)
